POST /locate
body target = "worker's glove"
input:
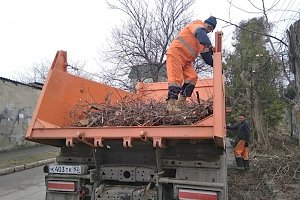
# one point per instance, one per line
(228, 126)
(212, 49)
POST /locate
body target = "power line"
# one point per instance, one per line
(281, 23)
(250, 12)
(278, 12)
(284, 13)
(288, 21)
(77, 69)
(293, 18)
(254, 5)
(274, 4)
(271, 36)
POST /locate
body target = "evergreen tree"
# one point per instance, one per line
(252, 79)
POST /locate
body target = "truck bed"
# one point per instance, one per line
(187, 161)
(62, 92)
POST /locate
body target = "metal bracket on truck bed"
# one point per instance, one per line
(127, 142)
(69, 142)
(157, 142)
(98, 142)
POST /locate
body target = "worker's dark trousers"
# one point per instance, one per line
(242, 154)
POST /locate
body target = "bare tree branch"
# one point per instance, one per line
(250, 12)
(38, 72)
(137, 48)
(253, 31)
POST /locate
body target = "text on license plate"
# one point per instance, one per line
(64, 169)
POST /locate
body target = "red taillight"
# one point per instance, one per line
(197, 195)
(64, 186)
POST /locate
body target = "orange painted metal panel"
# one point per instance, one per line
(95, 136)
(65, 91)
(180, 132)
(219, 93)
(62, 92)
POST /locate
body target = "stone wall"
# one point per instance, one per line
(17, 102)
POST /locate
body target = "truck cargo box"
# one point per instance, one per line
(143, 162)
(62, 92)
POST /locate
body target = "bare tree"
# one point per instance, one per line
(78, 68)
(138, 47)
(38, 71)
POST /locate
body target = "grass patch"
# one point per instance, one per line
(28, 159)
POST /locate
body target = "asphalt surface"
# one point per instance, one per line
(23, 185)
(24, 182)
(23, 153)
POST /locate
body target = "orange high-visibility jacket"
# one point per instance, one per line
(186, 44)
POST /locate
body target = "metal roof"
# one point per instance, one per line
(35, 85)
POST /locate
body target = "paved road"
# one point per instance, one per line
(24, 185)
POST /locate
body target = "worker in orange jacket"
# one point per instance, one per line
(241, 150)
(184, 49)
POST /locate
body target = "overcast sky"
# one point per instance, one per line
(33, 30)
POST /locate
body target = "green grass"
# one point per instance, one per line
(28, 159)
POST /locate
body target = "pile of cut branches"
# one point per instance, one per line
(137, 113)
(275, 174)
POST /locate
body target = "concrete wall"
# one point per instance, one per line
(17, 102)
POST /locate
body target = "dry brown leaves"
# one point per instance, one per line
(274, 174)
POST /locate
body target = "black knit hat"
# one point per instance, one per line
(211, 21)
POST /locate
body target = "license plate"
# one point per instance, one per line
(65, 169)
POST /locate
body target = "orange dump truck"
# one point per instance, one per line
(130, 163)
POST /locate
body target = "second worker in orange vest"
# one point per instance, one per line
(182, 77)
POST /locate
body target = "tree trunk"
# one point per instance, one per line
(155, 71)
(256, 112)
(262, 138)
(294, 56)
(296, 113)
(155, 77)
(250, 106)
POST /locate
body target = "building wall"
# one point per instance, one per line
(17, 102)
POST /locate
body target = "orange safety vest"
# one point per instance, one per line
(186, 43)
